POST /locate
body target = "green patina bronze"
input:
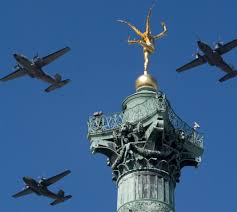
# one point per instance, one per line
(147, 145)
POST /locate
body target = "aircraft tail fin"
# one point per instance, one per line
(228, 76)
(61, 193)
(56, 85)
(58, 77)
(60, 200)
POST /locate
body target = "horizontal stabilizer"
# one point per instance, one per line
(57, 201)
(57, 85)
(228, 76)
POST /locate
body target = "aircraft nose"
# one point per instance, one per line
(200, 44)
(26, 179)
(15, 55)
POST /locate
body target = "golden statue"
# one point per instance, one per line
(147, 40)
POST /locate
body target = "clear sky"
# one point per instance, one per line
(43, 134)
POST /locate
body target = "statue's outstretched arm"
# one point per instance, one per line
(132, 41)
(137, 31)
(148, 24)
(162, 34)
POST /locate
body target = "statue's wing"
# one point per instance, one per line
(148, 24)
(137, 31)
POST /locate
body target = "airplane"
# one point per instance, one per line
(40, 188)
(214, 58)
(33, 68)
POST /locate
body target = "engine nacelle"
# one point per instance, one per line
(218, 45)
(197, 56)
(41, 181)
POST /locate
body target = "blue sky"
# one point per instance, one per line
(43, 134)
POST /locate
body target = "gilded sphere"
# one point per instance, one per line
(146, 80)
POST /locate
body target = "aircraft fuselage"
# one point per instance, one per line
(213, 58)
(31, 68)
(38, 188)
(28, 65)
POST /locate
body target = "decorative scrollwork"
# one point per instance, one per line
(143, 111)
(104, 123)
(135, 114)
(148, 135)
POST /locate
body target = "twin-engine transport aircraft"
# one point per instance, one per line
(214, 58)
(33, 68)
(40, 188)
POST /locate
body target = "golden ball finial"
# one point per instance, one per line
(146, 81)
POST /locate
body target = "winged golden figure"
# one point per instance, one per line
(147, 40)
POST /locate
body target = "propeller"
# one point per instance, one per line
(25, 187)
(41, 181)
(219, 43)
(17, 66)
(41, 178)
(196, 54)
(198, 38)
(36, 56)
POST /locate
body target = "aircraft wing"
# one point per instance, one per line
(199, 61)
(18, 73)
(23, 193)
(51, 57)
(226, 68)
(56, 178)
(226, 47)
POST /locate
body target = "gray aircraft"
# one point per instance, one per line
(40, 188)
(33, 68)
(214, 58)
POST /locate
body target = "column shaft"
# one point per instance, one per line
(145, 191)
